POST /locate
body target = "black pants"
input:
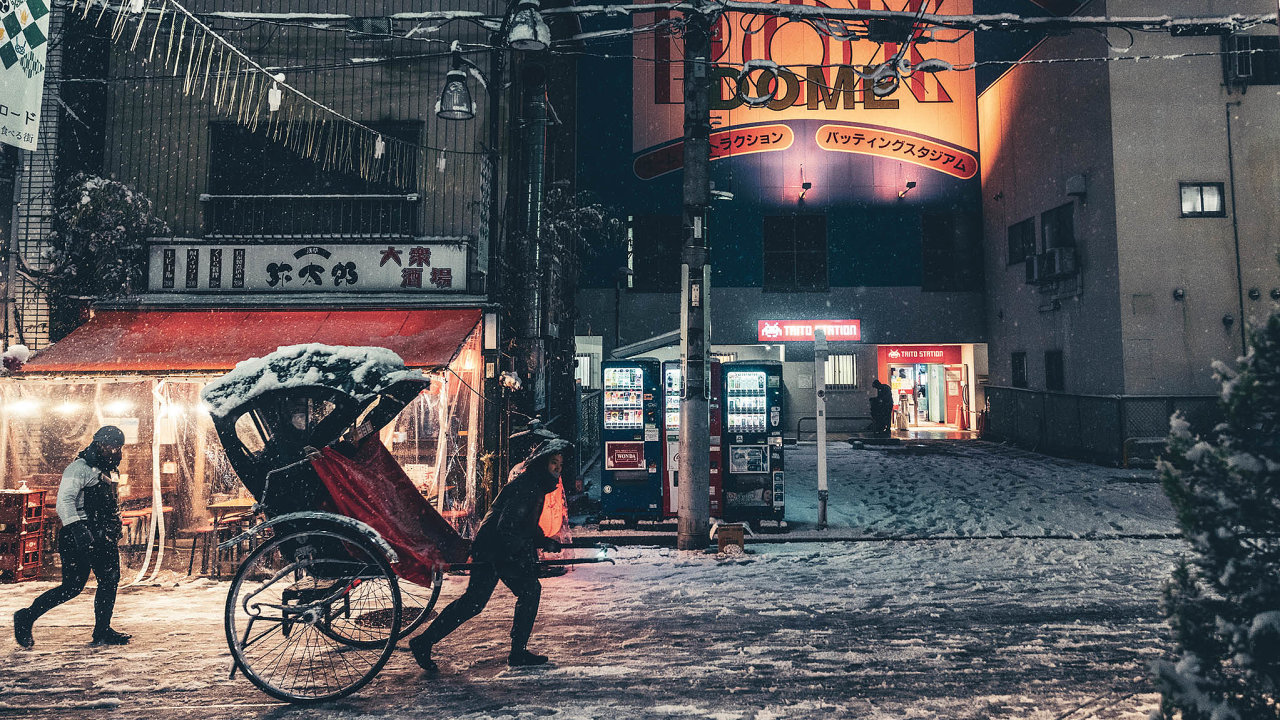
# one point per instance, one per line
(518, 577)
(104, 559)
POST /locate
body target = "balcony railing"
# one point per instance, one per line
(314, 216)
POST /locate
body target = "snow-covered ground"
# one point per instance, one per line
(984, 583)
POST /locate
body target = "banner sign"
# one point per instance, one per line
(807, 75)
(802, 330)
(423, 265)
(24, 42)
(906, 354)
(898, 146)
(726, 143)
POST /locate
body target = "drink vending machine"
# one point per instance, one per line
(753, 472)
(671, 389)
(630, 483)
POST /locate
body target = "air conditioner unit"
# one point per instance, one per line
(1057, 263)
(1033, 269)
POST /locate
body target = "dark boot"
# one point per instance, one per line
(523, 658)
(22, 623)
(421, 648)
(110, 637)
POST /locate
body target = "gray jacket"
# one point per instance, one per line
(78, 476)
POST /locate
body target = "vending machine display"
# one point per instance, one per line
(672, 389)
(752, 442)
(631, 481)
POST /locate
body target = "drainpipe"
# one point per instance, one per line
(1235, 229)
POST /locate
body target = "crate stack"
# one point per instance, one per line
(21, 534)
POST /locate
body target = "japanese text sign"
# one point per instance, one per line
(24, 33)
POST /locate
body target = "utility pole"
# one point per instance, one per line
(695, 450)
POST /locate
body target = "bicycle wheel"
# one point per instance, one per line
(419, 603)
(294, 611)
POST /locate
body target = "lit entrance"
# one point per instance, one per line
(930, 385)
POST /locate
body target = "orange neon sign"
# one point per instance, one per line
(898, 146)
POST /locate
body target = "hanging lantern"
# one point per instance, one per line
(136, 6)
(455, 100)
(528, 31)
(379, 148)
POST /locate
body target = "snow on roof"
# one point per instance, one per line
(358, 371)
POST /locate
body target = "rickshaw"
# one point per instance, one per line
(350, 556)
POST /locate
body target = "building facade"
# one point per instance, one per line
(1129, 220)
(832, 206)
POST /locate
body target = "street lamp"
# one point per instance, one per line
(528, 32)
(455, 101)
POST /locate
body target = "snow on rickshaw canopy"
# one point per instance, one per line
(358, 371)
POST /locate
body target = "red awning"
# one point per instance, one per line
(187, 341)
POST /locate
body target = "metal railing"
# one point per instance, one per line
(1090, 427)
(863, 423)
(590, 406)
(318, 216)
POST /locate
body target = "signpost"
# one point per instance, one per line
(820, 382)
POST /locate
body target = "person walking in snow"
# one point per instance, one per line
(505, 548)
(90, 514)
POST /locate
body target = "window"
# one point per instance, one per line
(1022, 241)
(951, 252)
(582, 371)
(1054, 371)
(1018, 375)
(1201, 200)
(1251, 59)
(841, 371)
(655, 253)
(1057, 227)
(795, 253)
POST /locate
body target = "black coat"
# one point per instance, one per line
(509, 531)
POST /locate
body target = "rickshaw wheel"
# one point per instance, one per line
(294, 614)
(419, 603)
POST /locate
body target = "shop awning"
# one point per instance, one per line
(195, 341)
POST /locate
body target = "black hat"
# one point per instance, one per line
(554, 446)
(109, 435)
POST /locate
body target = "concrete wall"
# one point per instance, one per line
(1170, 126)
(1039, 125)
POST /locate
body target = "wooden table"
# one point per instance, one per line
(225, 510)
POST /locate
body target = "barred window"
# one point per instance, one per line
(841, 371)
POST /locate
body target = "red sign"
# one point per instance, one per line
(907, 354)
(624, 456)
(802, 330)
(925, 152)
(726, 143)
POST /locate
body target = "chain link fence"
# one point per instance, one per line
(590, 405)
(1099, 428)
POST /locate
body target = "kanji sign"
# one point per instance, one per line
(420, 265)
(24, 32)
(802, 330)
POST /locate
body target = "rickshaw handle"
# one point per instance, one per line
(350, 523)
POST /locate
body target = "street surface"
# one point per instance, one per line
(984, 583)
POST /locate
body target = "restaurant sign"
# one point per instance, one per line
(423, 265)
(802, 330)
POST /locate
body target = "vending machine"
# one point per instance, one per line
(631, 482)
(752, 441)
(671, 390)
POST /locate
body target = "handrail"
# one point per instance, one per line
(411, 197)
(814, 418)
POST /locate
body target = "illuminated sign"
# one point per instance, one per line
(907, 354)
(808, 75)
(802, 330)
(726, 143)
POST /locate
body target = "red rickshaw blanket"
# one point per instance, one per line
(372, 488)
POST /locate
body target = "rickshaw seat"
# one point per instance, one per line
(372, 488)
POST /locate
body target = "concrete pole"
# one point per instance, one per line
(695, 446)
(820, 383)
